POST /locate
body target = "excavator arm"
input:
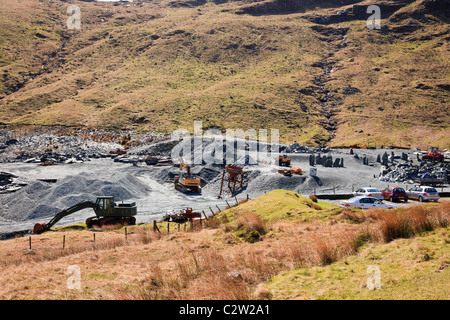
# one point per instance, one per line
(42, 226)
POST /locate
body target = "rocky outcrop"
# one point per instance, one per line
(290, 6)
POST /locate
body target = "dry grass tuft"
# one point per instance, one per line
(250, 221)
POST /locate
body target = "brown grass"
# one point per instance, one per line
(250, 221)
(202, 264)
(405, 223)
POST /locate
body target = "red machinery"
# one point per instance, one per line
(434, 155)
(185, 215)
(235, 178)
(118, 152)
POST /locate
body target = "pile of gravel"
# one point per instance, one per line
(40, 199)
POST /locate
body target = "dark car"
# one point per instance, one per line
(394, 194)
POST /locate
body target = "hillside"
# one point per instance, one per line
(309, 68)
(260, 249)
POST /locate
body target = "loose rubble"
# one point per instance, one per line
(9, 183)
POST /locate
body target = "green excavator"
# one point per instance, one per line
(107, 212)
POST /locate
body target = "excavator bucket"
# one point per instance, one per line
(39, 228)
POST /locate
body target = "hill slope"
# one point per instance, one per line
(311, 69)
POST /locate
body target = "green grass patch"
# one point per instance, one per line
(415, 268)
(279, 205)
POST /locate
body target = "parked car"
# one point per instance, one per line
(366, 203)
(368, 192)
(394, 194)
(423, 193)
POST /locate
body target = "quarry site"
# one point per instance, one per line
(217, 150)
(45, 173)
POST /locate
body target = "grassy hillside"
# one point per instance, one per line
(273, 251)
(160, 65)
(411, 269)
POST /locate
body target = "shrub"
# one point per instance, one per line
(249, 227)
(251, 222)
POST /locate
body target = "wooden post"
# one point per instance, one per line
(206, 217)
(237, 202)
(212, 211)
(248, 197)
(178, 227)
(126, 234)
(155, 227)
(94, 240)
(168, 227)
(64, 241)
(228, 204)
(201, 225)
(29, 243)
(218, 208)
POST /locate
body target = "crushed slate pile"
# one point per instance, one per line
(403, 169)
(48, 148)
(10, 183)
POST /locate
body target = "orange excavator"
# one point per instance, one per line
(186, 182)
(284, 161)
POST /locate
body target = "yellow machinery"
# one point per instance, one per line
(185, 182)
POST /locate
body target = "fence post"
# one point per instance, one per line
(126, 234)
(64, 241)
(168, 227)
(155, 227)
(218, 208)
(228, 204)
(212, 211)
(206, 217)
(29, 243)
(237, 202)
(94, 240)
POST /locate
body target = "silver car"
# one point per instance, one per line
(423, 193)
(366, 203)
(368, 192)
